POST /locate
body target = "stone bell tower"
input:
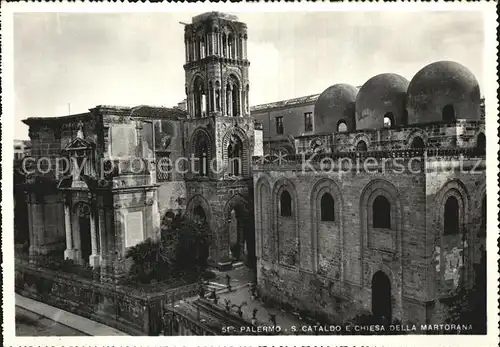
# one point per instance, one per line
(216, 66)
(219, 132)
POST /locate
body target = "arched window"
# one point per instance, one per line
(235, 155)
(341, 126)
(361, 146)
(481, 143)
(327, 208)
(449, 113)
(451, 216)
(381, 212)
(388, 120)
(482, 229)
(285, 204)
(199, 98)
(224, 45)
(417, 143)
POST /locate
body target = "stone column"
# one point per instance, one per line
(240, 101)
(69, 253)
(94, 257)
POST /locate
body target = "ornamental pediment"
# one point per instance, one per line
(79, 144)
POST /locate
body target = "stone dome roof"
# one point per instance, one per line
(381, 95)
(335, 105)
(443, 91)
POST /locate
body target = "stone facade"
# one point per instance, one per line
(101, 182)
(387, 221)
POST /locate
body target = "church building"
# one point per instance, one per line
(102, 181)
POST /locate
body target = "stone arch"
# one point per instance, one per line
(245, 156)
(414, 134)
(192, 204)
(457, 189)
(286, 251)
(243, 235)
(372, 190)
(201, 134)
(361, 137)
(262, 199)
(326, 185)
(454, 188)
(198, 74)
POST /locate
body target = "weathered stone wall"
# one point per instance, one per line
(343, 255)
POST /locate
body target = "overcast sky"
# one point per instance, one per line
(136, 58)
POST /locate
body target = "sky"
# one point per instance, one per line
(70, 62)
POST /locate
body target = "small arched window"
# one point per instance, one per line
(388, 120)
(327, 208)
(342, 126)
(285, 204)
(417, 143)
(381, 212)
(481, 143)
(451, 216)
(361, 146)
(449, 113)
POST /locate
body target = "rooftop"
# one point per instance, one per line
(286, 103)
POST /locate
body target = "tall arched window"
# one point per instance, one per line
(388, 120)
(285, 204)
(451, 216)
(449, 113)
(327, 208)
(361, 146)
(235, 155)
(199, 98)
(341, 126)
(381, 212)
(417, 143)
(224, 45)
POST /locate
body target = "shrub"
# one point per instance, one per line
(181, 252)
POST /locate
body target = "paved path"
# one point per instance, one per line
(29, 310)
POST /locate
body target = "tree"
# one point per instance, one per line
(181, 251)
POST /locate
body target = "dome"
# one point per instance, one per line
(443, 91)
(382, 95)
(334, 107)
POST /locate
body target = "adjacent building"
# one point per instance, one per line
(383, 211)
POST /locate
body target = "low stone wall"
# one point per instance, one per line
(132, 310)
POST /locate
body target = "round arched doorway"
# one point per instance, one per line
(381, 298)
